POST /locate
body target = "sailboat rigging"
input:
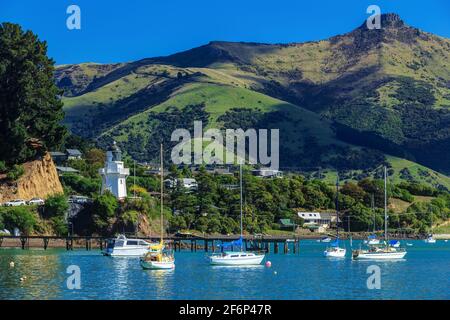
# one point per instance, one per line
(334, 251)
(385, 250)
(233, 258)
(157, 257)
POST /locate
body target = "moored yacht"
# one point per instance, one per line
(157, 258)
(122, 246)
(240, 258)
(230, 258)
(384, 251)
(334, 251)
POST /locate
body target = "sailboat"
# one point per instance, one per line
(334, 251)
(372, 239)
(157, 257)
(383, 251)
(236, 258)
(430, 238)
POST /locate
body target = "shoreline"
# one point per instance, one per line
(37, 242)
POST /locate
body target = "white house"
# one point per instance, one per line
(319, 221)
(267, 173)
(114, 174)
(73, 154)
(188, 183)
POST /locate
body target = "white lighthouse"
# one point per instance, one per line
(114, 174)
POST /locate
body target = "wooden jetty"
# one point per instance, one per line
(193, 243)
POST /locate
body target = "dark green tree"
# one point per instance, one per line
(30, 107)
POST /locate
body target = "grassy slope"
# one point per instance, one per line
(221, 98)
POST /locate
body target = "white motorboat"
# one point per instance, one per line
(122, 246)
(430, 239)
(240, 258)
(157, 258)
(372, 240)
(325, 240)
(334, 251)
(384, 251)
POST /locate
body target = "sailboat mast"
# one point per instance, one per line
(337, 207)
(385, 205)
(240, 183)
(372, 203)
(162, 191)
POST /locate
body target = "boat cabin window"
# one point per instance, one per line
(142, 243)
(132, 243)
(118, 243)
(234, 256)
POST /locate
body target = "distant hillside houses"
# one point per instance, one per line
(188, 183)
(61, 158)
(267, 173)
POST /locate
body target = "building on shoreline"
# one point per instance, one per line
(318, 221)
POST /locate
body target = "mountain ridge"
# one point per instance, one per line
(387, 90)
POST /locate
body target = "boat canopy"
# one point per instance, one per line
(335, 243)
(393, 242)
(236, 243)
(372, 236)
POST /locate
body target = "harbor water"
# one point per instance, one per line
(424, 274)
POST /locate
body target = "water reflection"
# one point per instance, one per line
(40, 269)
(161, 283)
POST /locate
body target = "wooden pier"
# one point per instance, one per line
(268, 244)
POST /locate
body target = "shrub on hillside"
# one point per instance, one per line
(2, 166)
(59, 225)
(56, 206)
(18, 217)
(15, 172)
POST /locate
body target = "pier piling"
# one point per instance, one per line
(275, 247)
(24, 242)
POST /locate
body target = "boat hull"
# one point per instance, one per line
(238, 261)
(379, 255)
(138, 251)
(156, 265)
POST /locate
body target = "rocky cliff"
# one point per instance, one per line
(39, 180)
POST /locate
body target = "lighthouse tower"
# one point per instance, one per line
(114, 174)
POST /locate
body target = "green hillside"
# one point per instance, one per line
(340, 104)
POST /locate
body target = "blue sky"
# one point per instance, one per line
(117, 31)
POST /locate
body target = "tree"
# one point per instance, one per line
(103, 209)
(56, 206)
(30, 107)
(19, 217)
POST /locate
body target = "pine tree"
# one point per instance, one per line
(30, 107)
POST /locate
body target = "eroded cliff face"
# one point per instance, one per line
(39, 180)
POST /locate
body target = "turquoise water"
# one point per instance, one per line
(424, 274)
